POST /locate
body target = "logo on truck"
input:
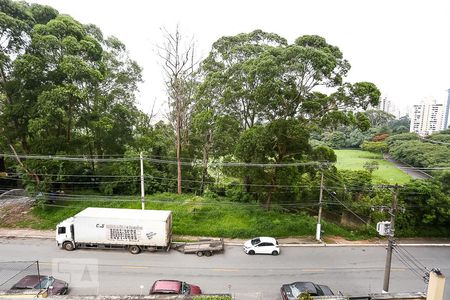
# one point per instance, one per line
(150, 235)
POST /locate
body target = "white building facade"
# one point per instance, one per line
(428, 118)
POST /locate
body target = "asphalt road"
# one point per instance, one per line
(352, 270)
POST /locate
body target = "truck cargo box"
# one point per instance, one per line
(117, 226)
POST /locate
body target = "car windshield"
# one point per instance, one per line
(185, 288)
(45, 283)
(256, 241)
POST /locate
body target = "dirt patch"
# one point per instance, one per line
(341, 240)
(13, 214)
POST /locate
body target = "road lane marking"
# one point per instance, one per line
(226, 270)
(134, 267)
(313, 270)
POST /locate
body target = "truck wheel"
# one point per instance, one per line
(68, 246)
(274, 253)
(134, 249)
(251, 252)
(208, 253)
(199, 253)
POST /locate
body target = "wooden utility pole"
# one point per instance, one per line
(393, 213)
(318, 228)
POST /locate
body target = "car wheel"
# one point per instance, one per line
(199, 253)
(274, 253)
(134, 249)
(208, 253)
(68, 246)
(251, 252)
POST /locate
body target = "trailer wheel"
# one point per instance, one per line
(68, 246)
(134, 249)
(199, 253)
(208, 253)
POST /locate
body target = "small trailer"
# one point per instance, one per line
(206, 247)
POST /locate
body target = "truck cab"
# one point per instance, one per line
(65, 234)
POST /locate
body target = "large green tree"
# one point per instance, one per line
(17, 20)
(275, 92)
(64, 88)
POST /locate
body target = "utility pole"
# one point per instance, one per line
(387, 268)
(320, 208)
(142, 181)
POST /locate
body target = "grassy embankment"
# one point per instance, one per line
(202, 216)
(199, 216)
(386, 173)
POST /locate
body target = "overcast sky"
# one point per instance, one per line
(401, 46)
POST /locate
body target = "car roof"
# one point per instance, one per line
(311, 287)
(29, 281)
(266, 239)
(167, 285)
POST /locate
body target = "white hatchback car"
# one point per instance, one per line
(262, 245)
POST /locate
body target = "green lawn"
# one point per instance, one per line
(386, 173)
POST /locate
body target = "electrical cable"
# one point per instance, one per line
(356, 215)
(212, 164)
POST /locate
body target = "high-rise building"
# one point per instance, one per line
(447, 112)
(428, 117)
(388, 106)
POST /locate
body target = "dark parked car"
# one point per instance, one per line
(174, 287)
(293, 290)
(42, 282)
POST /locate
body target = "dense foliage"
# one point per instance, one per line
(382, 125)
(257, 128)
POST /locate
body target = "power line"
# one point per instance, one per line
(162, 161)
(355, 214)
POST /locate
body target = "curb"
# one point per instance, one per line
(282, 245)
(350, 245)
(290, 245)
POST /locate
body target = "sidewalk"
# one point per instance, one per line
(285, 242)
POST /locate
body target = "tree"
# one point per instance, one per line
(17, 20)
(271, 89)
(375, 147)
(258, 77)
(379, 117)
(281, 141)
(371, 166)
(400, 125)
(179, 67)
(64, 89)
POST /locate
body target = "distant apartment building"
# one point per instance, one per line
(428, 117)
(447, 112)
(388, 106)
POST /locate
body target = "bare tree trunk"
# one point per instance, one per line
(178, 153)
(272, 190)
(205, 162)
(247, 183)
(179, 71)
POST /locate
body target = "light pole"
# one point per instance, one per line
(318, 227)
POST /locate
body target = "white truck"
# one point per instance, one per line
(116, 228)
